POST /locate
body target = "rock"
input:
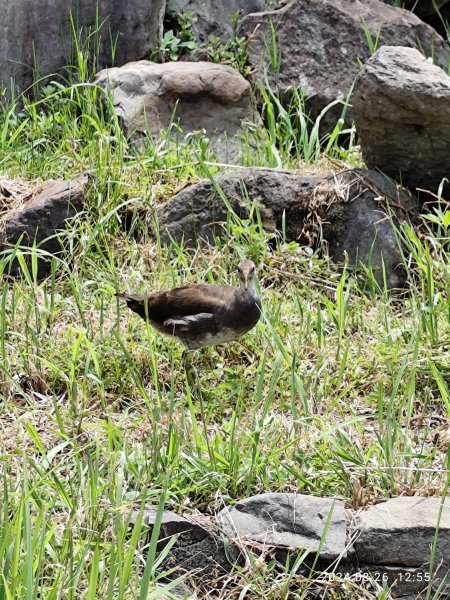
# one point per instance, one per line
(37, 34)
(206, 96)
(393, 546)
(401, 532)
(40, 217)
(410, 143)
(198, 212)
(321, 41)
(212, 17)
(199, 550)
(188, 531)
(345, 209)
(290, 520)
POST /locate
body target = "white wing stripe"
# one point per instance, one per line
(188, 319)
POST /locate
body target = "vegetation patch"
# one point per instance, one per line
(13, 194)
(341, 391)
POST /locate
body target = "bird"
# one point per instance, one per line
(203, 314)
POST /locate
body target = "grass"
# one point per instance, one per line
(339, 391)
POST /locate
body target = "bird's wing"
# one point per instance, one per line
(181, 302)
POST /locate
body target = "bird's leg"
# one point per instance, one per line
(191, 375)
(188, 368)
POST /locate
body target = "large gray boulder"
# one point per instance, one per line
(200, 96)
(212, 17)
(346, 210)
(402, 116)
(36, 36)
(290, 520)
(321, 43)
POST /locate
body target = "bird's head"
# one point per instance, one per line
(247, 274)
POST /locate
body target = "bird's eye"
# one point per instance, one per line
(253, 269)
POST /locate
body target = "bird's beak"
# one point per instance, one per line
(245, 279)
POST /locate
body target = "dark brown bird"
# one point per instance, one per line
(202, 315)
